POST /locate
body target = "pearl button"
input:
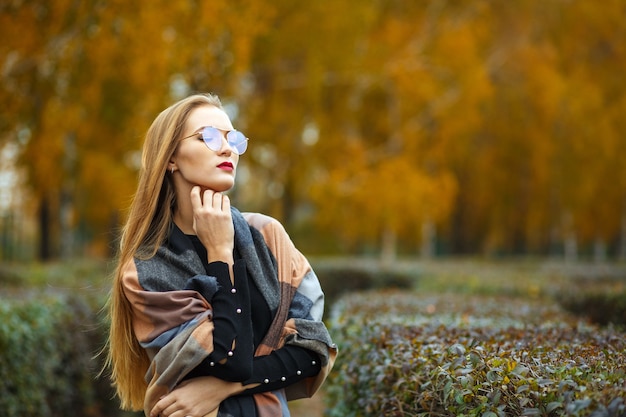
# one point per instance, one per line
(234, 290)
(212, 363)
(299, 372)
(313, 363)
(282, 378)
(267, 381)
(238, 311)
(230, 353)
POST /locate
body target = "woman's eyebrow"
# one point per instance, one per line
(230, 129)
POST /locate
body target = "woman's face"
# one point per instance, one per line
(195, 162)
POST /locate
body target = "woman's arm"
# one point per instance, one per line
(233, 350)
(197, 397)
(282, 368)
(203, 394)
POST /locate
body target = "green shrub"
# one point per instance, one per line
(47, 345)
(407, 355)
(603, 308)
(601, 299)
(337, 280)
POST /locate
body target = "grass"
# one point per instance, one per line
(535, 278)
(91, 277)
(525, 277)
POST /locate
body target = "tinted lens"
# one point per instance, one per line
(212, 138)
(237, 141)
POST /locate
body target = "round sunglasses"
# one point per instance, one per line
(213, 137)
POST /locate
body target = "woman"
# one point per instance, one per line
(213, 312)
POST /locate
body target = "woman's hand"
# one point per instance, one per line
(213, 224)
(197, 397)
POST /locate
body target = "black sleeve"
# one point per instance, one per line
(282, 368)
(233, 349)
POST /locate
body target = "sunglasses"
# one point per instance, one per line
(213, 138)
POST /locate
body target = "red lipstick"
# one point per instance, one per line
(228, 166)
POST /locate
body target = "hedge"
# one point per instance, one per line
(600, 298)
(417, 355)
(337, 280)
(403, 354)
(47, 349)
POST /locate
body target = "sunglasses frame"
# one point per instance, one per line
(220, 131)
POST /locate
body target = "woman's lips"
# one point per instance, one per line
(226, 166)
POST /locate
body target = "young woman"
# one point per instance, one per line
(212, 311)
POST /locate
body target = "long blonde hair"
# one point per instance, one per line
(149, 219)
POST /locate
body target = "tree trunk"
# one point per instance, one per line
(570, 247)
(622, 237)
(429, 235)
(599, 250)
(570, 244)
(66, 200)
(67, 229)
(5, 247)
(45, 252)
(388, 253)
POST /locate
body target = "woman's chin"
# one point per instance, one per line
(218, 188)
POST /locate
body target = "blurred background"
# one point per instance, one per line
(469, 147)
(382, 127)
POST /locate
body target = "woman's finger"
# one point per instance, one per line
(226, 204)
(175, 409)
(217, 200)
(196, 201)
(161, 406)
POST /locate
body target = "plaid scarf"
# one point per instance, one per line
(174, 325)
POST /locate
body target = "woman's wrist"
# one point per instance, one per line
(220, 255)
(236, 388)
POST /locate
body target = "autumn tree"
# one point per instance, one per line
(83, 83)
(483, 126)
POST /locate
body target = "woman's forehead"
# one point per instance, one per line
(208, 116)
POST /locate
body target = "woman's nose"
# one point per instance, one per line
(226, 148)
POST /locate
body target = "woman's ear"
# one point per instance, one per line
(171, 166)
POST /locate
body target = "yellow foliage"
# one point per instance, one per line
(494, 120)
